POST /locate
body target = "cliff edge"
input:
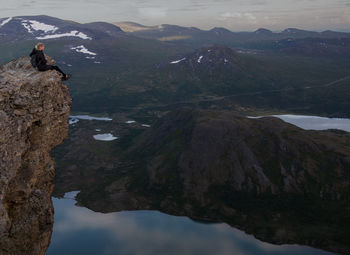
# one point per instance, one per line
(34, 111)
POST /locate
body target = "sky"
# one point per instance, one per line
(236, 15)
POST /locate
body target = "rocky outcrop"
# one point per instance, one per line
(34, 111)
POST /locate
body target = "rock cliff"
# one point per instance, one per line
(34, 111)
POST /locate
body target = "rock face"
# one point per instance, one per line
(34, 111)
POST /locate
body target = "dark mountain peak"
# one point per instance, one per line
(130, 23)
(213, 56)
(291, 31)
(335, 34)
(44, 27)
(299, 32)
(263, 31)
(220, 31)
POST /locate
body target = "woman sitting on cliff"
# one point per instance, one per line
(38, 61)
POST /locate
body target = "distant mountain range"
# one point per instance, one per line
(196, 36)
(165, 30)
(129, 65)
(45, 27)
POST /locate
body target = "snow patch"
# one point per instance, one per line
(105, 137)
(5, 21)
(75, 119)
(98, 130)
(33, 25)
(200, 59)
(73, 33)
(145, 125)
(130, 121)
(83, 49)
(177, 61)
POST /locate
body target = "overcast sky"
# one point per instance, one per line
(236, 15)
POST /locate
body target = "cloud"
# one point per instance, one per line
(238, 15)
(148, 233)
(140, 231)
(153, 12)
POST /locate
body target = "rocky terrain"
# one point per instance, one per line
(34, 111)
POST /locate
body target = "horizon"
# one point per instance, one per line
(235, 15)
(187, 26)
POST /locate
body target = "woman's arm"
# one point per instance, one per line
(41, 60)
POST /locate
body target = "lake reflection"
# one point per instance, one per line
(78, 230)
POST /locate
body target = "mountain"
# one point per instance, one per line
(116, 70)
(295, 32)
(197, 37)
(216, 166)
(216, 70)
(34, 110)
(45, 27)
(315, 47)
(219, 31)
(223, 78)
(263, 31)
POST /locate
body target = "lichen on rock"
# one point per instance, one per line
(34, 112)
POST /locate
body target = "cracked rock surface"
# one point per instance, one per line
(34, 112)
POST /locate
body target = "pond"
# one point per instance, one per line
(78, 230)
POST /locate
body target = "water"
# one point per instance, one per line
(78, 230)
(314, 122)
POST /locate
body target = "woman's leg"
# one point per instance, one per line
(50, 67)
(58, 70)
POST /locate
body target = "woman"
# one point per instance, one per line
(37, 59)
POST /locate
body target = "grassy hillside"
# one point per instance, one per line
(130, 73)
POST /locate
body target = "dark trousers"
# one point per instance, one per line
(50, 67)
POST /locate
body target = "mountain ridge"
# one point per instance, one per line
(286, 30)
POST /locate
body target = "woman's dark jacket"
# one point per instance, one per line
(39, 58)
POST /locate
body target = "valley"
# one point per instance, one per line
(134, 71)
(159, 123)
(110, 178)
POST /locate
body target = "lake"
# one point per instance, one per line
(78, 230)
(313, 122)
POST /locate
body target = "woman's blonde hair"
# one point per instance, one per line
(38, 46)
